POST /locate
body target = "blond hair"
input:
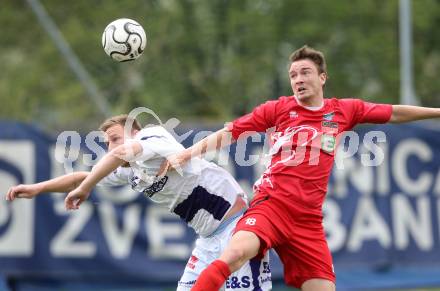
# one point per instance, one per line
(121, 120)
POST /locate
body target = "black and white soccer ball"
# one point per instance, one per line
(124, 40)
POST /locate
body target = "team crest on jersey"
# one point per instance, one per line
(156, 187)
(134, 181)
(328, 116)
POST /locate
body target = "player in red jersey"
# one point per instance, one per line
(285, 213)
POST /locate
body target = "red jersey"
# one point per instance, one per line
(302, 143)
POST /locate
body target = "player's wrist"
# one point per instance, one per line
(86, 189)
(41, 187)
(188, 154)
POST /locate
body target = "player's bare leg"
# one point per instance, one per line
(242, 247)
(318, 285)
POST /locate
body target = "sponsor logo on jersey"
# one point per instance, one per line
(239, 282)
(186, 284)
(235, 282)
(192, 262)
(156, 187)
(305, 135)
(293, 114)
(266, 268)
(328, 116)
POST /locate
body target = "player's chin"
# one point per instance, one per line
(302, 96)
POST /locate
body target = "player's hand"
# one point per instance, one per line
(173, 162)
(22, 191)
(164, 168)
(75, 198)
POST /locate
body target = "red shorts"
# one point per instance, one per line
(297, 235)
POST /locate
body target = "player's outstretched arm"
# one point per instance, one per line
(117, 157)
(406, 113)
(63, 184)
(212, 142)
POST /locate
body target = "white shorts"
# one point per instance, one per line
(253, 274)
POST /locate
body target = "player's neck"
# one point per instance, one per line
(314, 102)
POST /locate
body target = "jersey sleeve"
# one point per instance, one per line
(260, 119)
(115, 178)
(156, 144)
(360, 111)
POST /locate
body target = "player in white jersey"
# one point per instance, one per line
(202, 194)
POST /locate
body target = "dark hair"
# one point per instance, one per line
(315, 56)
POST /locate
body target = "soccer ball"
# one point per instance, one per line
(124, 40)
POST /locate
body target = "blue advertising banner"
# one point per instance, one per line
(382, 209)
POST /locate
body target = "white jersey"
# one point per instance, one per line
(200, 195)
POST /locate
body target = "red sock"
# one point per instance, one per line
(213, 277)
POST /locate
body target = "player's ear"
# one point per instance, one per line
(134, 131)
(323, 78)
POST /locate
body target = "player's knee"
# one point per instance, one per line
(235, 257)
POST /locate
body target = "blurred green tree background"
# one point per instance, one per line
(207, 61)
